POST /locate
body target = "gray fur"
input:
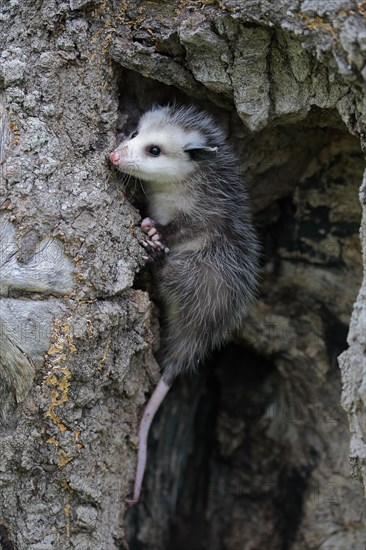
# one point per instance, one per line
(210, 274)
(207, 272)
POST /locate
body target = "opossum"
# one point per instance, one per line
(201, 239)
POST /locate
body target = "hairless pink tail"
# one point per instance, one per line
(153, 405)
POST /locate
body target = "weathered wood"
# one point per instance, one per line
(253, 452)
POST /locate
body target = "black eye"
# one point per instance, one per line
(134, 134)
(154, 150)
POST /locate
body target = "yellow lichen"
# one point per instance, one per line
(317, 23)
(52, 441)
(66, 485)
(67, 510)
(58, 359)
(16, 133)
(59, 394)
(104, 356)
(77, 439)
(58, 379)
(77, 259)
(361, 6)
(90, 327)
(64, 459)
(55, 348)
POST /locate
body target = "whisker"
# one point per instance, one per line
(126, 178)
(143, 188)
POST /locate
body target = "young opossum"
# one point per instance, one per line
(201, 239)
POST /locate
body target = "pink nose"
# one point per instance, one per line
(114, 158)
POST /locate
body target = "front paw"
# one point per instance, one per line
(154, 248)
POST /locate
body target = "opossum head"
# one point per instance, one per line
(168, 145)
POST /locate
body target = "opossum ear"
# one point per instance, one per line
(200, 152)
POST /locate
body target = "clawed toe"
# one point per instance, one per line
(154, 247)
(152, 232)
(147, 225)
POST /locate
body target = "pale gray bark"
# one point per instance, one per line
(254, 451)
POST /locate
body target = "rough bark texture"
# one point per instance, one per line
(254, 451)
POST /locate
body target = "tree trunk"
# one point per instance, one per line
(252, 452)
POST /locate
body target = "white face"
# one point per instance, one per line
(154, 153)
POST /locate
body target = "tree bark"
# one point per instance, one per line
(254, 451)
